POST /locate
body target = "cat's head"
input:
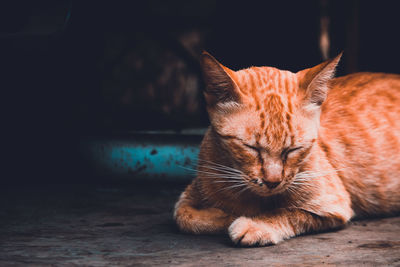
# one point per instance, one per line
(264, 120)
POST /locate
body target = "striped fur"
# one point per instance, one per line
(289, 153)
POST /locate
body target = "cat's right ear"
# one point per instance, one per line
(221, 88)
(314, 82)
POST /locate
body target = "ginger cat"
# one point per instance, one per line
(290, 153)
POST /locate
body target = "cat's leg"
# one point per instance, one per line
(199, 221)
(280, 225)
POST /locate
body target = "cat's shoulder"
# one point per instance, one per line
(357, 90)
(362, 79)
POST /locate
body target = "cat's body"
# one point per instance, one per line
(360, 135)
(283, 156)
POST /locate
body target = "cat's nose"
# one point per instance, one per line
(272, 173)
(271, 185)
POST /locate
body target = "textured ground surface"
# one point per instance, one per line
(131, 225)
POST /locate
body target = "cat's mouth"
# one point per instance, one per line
(264, 189)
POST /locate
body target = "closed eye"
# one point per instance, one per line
(237, 139)
(293, 149)
(287, 151)
(252, 147)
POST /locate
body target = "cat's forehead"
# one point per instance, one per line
(271, 95)
(268, 117)
(256, 82)
(270, 130)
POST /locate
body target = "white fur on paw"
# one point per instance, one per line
(247, 232)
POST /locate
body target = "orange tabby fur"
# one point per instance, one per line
(283, 156)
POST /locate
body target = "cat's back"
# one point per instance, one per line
(372, 98)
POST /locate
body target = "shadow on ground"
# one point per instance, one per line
(132, 225)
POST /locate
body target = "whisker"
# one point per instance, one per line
(306, 176)
(219, 169)
(243, 190)
(220, 165)
(214, 174)
(205, 172)
(227, 181)
(235, 186)
(226, 176)
(186, 168)
(229, 187)
(291, 190)
(320, 172)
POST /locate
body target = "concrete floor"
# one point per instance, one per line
(132, 226)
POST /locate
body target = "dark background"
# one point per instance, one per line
(72, 69)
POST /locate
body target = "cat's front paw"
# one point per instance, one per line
(247, 232)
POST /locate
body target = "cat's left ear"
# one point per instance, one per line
(221, 89)
(314, 81)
